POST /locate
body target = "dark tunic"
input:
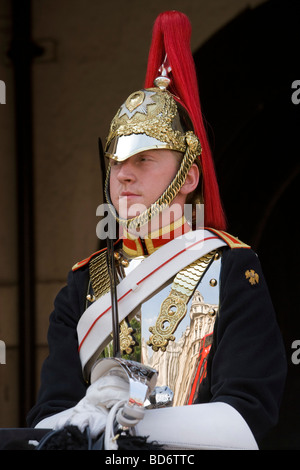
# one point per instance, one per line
(246, 364)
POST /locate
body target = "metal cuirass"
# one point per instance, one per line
(172, 330)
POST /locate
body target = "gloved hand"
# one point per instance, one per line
(93, 409)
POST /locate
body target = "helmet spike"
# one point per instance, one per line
(163, 80)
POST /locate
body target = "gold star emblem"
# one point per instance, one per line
(137, 102)
(252, 276)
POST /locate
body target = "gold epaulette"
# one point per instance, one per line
(230, 240)
(99, 276)
(85, 261)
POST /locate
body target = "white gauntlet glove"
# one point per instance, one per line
(117, 394)
(93, 409)
(126, 413)
(207, 426)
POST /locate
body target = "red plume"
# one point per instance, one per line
(171, 36)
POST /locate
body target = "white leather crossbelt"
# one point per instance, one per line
(95, 325)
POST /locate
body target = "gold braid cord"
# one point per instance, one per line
(101, 285)
(193, 150)
(174, 307)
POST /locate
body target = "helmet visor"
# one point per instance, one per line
(125, 146)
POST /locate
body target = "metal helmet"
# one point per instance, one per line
(152, 119)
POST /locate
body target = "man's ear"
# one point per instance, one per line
(191, 181)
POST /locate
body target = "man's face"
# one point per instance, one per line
(139, 181)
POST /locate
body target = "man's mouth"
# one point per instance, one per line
(128, 194)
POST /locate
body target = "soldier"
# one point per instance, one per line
(193, 306)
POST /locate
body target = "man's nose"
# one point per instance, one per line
(126, 171)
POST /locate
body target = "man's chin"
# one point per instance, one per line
(131, 212)
(128, 215)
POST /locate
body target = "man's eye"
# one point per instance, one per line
(144, 158)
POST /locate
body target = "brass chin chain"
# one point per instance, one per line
(193, 150)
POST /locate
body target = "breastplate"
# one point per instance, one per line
(171, 331)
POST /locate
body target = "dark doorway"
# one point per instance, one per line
(245, 74)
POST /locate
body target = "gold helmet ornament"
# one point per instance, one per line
(158, 116)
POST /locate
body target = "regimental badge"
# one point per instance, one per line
(137, 103)
(252, 277)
